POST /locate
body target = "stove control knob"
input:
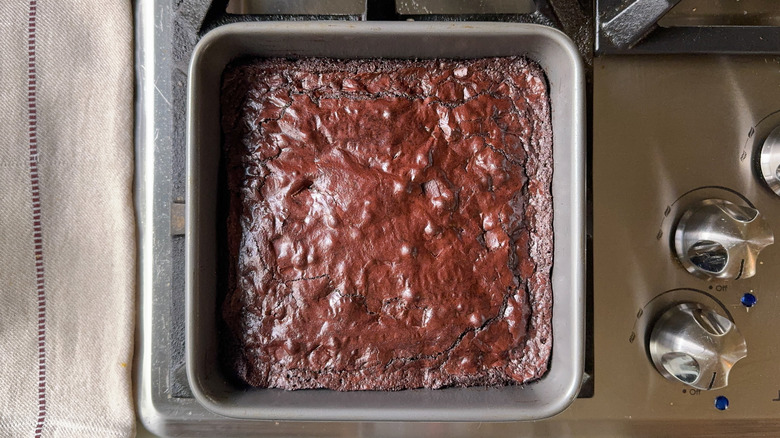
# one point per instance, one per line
(695, 345)
(719, 239)
(770, 160)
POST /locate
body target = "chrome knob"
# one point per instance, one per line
(719, 239)
(696, 346)
(770, 160)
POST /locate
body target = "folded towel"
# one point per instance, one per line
(67, 233)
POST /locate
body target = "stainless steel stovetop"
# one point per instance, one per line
(668, 131)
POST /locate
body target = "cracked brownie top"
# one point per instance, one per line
(389, 224)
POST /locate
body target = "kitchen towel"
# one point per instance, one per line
(67, 233)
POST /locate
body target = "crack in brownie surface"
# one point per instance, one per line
(389, 224)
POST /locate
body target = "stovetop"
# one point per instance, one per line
(667, 131)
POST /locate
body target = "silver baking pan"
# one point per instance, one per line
(560, 60)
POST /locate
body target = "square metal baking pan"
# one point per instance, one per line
(560, 60)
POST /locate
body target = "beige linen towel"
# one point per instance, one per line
(67, 250)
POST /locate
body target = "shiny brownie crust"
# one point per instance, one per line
(389, 222)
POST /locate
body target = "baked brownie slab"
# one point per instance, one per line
(390, 222)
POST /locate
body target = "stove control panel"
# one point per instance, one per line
(686, 205)
(696, 345)
(717, 239)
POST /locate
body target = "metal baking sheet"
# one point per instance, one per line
(459, 7)
(297, 7)
(558, 57)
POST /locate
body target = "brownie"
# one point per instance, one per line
(389, 222)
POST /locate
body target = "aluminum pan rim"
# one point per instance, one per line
(568, 224)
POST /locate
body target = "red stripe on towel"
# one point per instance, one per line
(32, 130)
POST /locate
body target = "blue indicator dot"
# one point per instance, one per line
(721, 403)
(748, 300)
